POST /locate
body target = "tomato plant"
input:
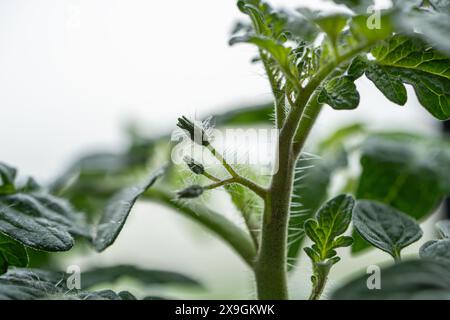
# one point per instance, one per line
(312, 61)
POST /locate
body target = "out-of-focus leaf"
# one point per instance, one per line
(359, 6)
(233, 235)
(101, 275)
(7, 177)
(367, 28)
(12, 253)
(332, 25)
(117, 211)
(384, 227)
(432, 27)
(417, 279)
(436, 250)
(93, 179)
(443, 227)
(409, 173)
(249, 206)
(258, 114)
(336, 139)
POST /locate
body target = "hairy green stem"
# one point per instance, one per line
(271, 265)
(237, 178)
(276, 91)
(319, 279)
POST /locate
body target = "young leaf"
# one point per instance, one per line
(279, 52)
(12, 253)
(384, 227)
(436, 250)
(117, 211)
(332, 25)
(421, 66)
(331, 221)
(310, 190)
(340, 93)
(417, 279)
(443, 227)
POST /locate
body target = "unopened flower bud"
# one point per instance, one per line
(196, 133)
(195, 167)
(193, 191)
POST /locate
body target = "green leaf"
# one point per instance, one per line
(335, 216)
(332, 220)
(444, 228)
(35, 284)
(112, 274)
(367, 28)
(7, 177)
(388, 83)
(384, 227)
(332, 25)
(39, 220)
(410, 280)
(440, 5)
(310, 190)
(431, 27)
(337, 138)
(415, 63)
(234, 236)
(27, 284)
(117, 211)
(257, 114)
(436, 250)
(355, 5)
(340, 93)
(409, 173)
(277, 50)
(357, 68)
(12, 253)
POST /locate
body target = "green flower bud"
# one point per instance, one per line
(196, 133)
(193, 191)
(195, 167)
